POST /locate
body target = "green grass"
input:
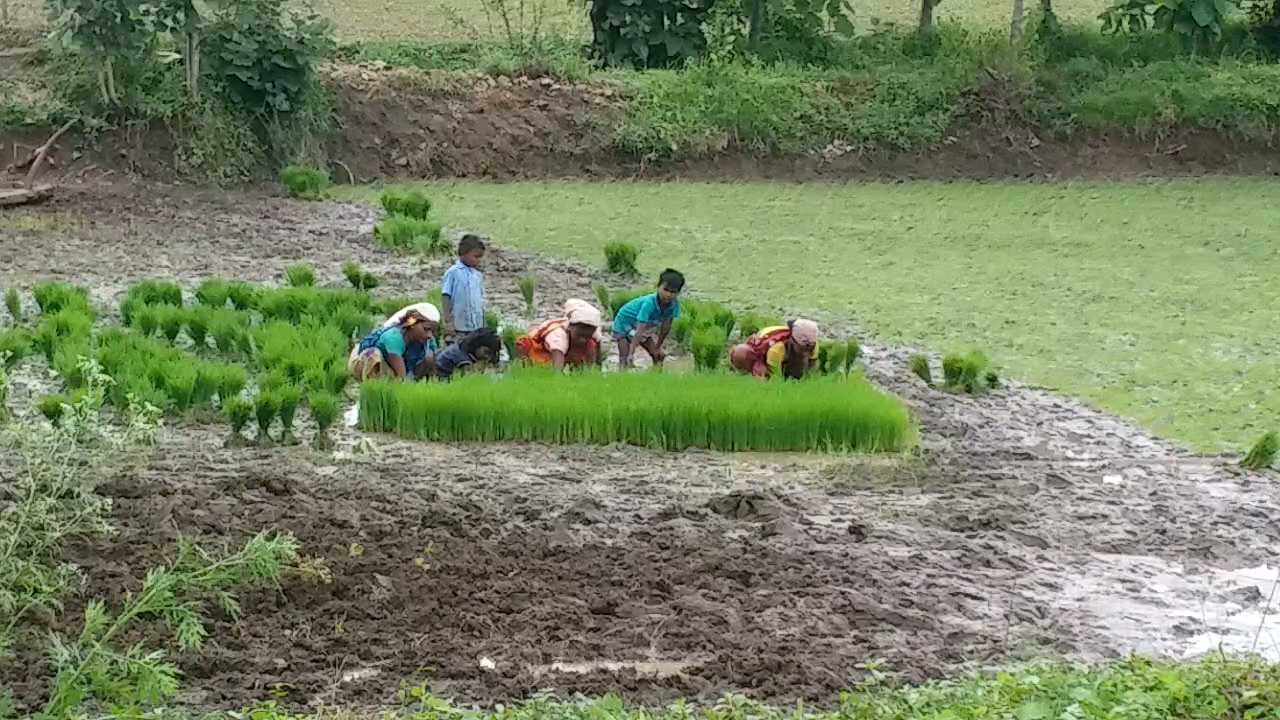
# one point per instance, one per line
(1153, 300)
(674, 412)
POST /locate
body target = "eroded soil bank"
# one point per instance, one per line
(1030, 526)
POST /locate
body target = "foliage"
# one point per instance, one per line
(620, 259)
(68, 324)
(265, 407)
(13, 303)
(831, 357)
(324, 411)
(242, 295)
(708, 345)
(411, 203)
(149, 292)
(306, 183)
(674, 412)
(106, 30)
(52, 297)
(920, 368)
(215, 142)
(1199, 22)
(1264, 23)
(528, 286)
(300, 275)
(359, 279)
(1263, 453)
(130, 678)
(265, 52)
(402, 233)
(15, 344)
(648, 33)
(966, 372)
(288, 398)
(602, 297)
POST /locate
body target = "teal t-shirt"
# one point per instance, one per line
(391, 342)
(643, 310)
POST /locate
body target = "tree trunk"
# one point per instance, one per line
(111, 81)
(1046, 6)
(193, 65)
(926, 15)
(757, 21)
(1015, 24)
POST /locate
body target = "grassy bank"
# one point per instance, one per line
(1154, 300)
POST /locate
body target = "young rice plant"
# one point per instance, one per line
(528, 286)
(13, 303)
(305, 183)
(1263, 453)
(670, 411)
(920, 368)
(300, 275)
(409, 203)
(620, 258)
(405, 234)
(966, 372)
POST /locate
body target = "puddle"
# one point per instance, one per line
(651, 668)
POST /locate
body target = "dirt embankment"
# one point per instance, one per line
(408, 124)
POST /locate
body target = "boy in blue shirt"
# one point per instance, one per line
(646, 320)
(463, 289)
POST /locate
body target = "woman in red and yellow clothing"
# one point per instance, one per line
(569, 341)
(790, 349)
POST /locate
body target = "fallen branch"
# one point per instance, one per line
(37, 158)
(24, 196)
(351, 179)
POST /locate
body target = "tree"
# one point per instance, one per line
(1015, 24)
(107, 30)
(926, 14)
(187, 19)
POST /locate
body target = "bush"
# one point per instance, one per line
(620, 259)
(966, 372)
(648, 33)
(409, 203)
(300, 275)
(402, 233)
(671, 411)
(1263, 453)
(305, 183)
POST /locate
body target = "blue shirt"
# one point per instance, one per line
(464, 286)
(643, 310)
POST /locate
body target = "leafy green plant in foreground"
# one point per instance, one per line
(402, 233)
(620, 258)
(671, 411)
(306, 183)
(1263, 453)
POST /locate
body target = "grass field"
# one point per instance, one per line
(1155, 300)
(466, 19)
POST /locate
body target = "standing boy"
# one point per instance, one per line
(646, 320)
(463, 289)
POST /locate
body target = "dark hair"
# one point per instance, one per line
(673, 280)
(470, 242)
(485, 337)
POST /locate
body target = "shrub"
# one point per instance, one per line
(324, 411)
(1263, 453)
(671, 411)
(528, 286)
(300, 275)
(402, 233)
(648, 33)
(920, 368)
(708, 347)
(288, 399)
(602, 297)
(620, 259)
(52, 297)
(265, 407)
(305, 183)
(213, 293)
(965, 372)
(13, 304)
(359, 279)
(409, 203)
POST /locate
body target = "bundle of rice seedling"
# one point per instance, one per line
(359, 279)
(619, 298)
(409, 203)
(287, 400)
(68, 323)
(213, 293)
(709, 347)
(237, 411)
(15, 345)
(171, 321)
(53, 407)
(13, 303)
(965, 372)
(305, 182)
(620, 258)
(920, 368)
(602, 298)
(405, 234)
(52, 297)
(324, 411)
(242, 295)
(231, 381)
(509, 337)
(198, 320)
(265, 407)
(300, 275)
(1263, 453)
(528, 286)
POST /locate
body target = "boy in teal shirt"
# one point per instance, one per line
(646, 320)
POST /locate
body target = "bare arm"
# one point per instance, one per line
(557, 360)
(663, 332)
(397, 365)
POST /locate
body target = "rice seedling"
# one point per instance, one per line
(492, 320)
(300, 275)
(670, 411)
(852, 352)
(831, 355)
(66, 361)
(146, 319)
(213, 293)
(265, 407)
(324, 411)
(359, 279)
(682, 330)
(409, 203)
(404, 234)
(15, 344)
(13, 303)
(965, 372)
(305, 183)
(171, 321)
(237, 411)
(150, 292)
(180, 385)
(992, 378)
(353, 322)
(208, 376)
(198, 319)
(231, 380)
(227, 327)
(1263, 453)
(528, 286)
(509, 337)
(52, 330)
(242, 295)
(751, 323)
(52, 297)
(336, 377)
(52, 407)
(708, 347)
(287, 400)
(602, 298)
(4, 392)
(920, 368)
(620, 259)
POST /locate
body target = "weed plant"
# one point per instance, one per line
(1263, 453)
(620, 259)
(965, 372)
(671, 411)
(359, 279)
(404, 234)
(407, 203)
(528, 286)
(324, 411)
(920, 368)
(300, 275)
(52, 297)
(265, 408)
(305, 183)
(13, 303)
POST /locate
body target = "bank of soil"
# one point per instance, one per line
(396, 123)
(1030, 526)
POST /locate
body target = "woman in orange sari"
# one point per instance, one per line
(790, 349)
(569, 341)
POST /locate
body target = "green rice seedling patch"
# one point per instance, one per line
(967, 372)
(15, 344)
(13, 303)
(409, 203)
(620, 259)
(300, 275)
(1263, 453)
(602, 297)
(920, 368)
(288, 398)
(659, 410)
(237, 411)
(305, 183)
(213, 293)
(528, 288)
(708, 347)
(265, 407)
(324, 412)
(52, 297)
(68, 322)
(359, 278)
(404, 234)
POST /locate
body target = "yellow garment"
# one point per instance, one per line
(778, 351)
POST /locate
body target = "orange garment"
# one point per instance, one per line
(770, 347)
(536, 347)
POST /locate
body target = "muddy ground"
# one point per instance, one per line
(1030, 526)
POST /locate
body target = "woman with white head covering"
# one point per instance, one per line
(418, 358)
(790, 349)
(573, 340)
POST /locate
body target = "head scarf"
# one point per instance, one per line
(411, 318)
(425, 309)
(804, 332)
(582, 312)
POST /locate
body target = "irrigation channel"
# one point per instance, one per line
(1030, 526)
